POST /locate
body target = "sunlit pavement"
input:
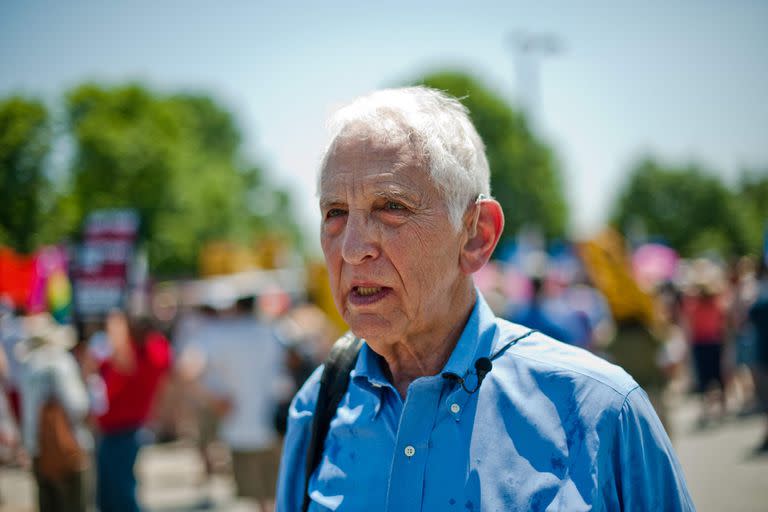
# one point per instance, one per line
(722, 473)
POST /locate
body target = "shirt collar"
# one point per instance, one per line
(368, 366)
(475, 340)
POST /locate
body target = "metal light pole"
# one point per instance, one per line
(528, 49)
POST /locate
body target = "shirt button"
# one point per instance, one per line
(455, 408)
(409, 451)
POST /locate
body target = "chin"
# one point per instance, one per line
(370, 327)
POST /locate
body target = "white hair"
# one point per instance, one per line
(439, 127)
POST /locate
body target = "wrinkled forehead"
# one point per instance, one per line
(362, 149)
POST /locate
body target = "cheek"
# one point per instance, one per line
(435, 263)
(332, 227)
(332, 259)
(419, 264)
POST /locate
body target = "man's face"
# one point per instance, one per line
(391, 250)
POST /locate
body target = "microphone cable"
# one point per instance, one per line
(484, 365)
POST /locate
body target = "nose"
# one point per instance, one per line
(359, 242)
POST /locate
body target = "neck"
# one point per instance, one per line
(426, 354)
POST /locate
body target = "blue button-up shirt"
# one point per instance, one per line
(552, 427)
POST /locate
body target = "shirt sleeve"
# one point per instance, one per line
(290, 487)
(647, 475)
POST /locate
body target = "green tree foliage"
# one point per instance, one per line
(173, 158)
(525, 176)
(753, 197)
(689, 208)
(25, 191)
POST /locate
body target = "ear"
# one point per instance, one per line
(484, 227)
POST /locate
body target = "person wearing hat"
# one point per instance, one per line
(50, 375)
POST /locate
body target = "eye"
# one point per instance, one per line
(393, 205)
(334, 212)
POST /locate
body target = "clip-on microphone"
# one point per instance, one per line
(484, 365)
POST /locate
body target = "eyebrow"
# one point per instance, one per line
(327, 202)
(388, 193)
(397, 194)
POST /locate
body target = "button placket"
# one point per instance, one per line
(412, 441)
(456, 401)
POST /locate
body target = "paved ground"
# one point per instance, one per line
(722, 472)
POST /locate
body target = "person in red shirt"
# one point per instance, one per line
(133, 375)
(705, 322)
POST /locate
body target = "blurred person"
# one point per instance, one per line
(195, 336)
(139, 359)
(55, 408)
(240, 368)
(9, 433)
(11, 332)
(636, 348)
(170, 411)
(298, 368)
(704, 319)
(758, 316)
(538, 315)
(591, 307)
(91, 352)
(448, 406)
(674, 349)
(741, 333)
(569, 314)
(550, 308)
(315, 329)
(298, 339)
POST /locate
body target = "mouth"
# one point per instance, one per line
(364, 295)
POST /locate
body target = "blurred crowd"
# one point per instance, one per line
(79, 402)
(677, 326)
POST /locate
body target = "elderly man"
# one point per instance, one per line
(448, 407)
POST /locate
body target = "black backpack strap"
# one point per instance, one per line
(333, 385)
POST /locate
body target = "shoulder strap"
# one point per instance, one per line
(333, 385)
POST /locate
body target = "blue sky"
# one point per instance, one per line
(687, 80)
